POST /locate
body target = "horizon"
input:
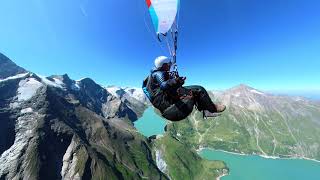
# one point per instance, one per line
(268, 45)
(308, 94)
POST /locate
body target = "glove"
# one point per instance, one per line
(180, 80)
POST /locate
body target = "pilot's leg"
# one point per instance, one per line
(203, 100)
(180, 110)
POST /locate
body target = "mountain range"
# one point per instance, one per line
(58, 128)
(256, 122)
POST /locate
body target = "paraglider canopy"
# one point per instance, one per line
(163, 14)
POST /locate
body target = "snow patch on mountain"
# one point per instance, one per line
(75, 86)
(15, 77)
(237, 94)
(128, 93)
(28, 88)
(138, 94)
(113, 90)
(14, 105)
(79, 80)
(50, 83)
(257, 92)
(26, 110)
(58, 82)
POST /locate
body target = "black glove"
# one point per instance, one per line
(176, 82)
(180, 80)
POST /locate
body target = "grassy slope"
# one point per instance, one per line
(250, 132)
(184, 163)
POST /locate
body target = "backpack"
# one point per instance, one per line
(146, 87)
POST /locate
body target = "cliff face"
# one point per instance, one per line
(58, 128)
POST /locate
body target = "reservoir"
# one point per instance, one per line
(242, 167)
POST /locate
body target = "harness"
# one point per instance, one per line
(151, 88)
(148, 88)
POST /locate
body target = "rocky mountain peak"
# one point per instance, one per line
(243, 90)
(63, 78)
(241, 87)
(9, 68)
(57, 128)
(245, 96)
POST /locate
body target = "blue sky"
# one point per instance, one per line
(267, 44)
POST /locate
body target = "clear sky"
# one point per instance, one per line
(267, 44)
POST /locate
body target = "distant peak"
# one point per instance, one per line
(90, 84)
(242, 87)
(63, 80)
(63, 77)
(87, 80)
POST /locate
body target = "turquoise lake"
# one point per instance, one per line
(258, 168)
(150, 123)
(242, 167)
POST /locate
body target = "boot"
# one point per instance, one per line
(217, 108)
(220, 107)
(207, 114)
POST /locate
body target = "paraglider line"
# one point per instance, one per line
(150, 32)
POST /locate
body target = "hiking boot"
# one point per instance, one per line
(220, 108)
(207, 114)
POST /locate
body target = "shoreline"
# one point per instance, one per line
(202, 148)
(222, 175)
(260, 155)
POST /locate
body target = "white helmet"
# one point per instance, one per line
(161, 60)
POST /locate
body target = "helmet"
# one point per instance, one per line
(161, 60)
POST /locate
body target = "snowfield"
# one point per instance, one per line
(28, 88)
